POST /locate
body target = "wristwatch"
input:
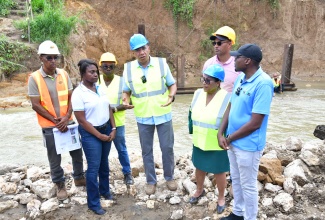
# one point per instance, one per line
(228, 138)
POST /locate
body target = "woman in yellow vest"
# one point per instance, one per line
(206, 112)
(276, 79)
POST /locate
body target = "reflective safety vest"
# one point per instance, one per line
(148, 97)
(114, 94)
(45, 98)
(206, 119)
(276, 83)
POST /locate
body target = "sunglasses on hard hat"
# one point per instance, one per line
(50, 58)
(105, 67)
(219, 43)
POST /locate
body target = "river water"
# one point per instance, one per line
(292, 114)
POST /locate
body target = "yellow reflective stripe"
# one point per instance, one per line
(62, 92)
(63, 103)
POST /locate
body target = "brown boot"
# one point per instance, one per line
(80, 182)
(61, 192)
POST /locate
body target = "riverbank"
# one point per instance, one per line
(290, 181)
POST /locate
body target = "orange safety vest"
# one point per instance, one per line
(45, 98)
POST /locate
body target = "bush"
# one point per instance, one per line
(11, 56)
(52, 25)
(5, 6)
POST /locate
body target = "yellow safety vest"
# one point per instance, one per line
(114, 94)
(207, 118)
(148, 97)
(45, 98)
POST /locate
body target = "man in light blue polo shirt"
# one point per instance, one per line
(245, 123)
(149, 84)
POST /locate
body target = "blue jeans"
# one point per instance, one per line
(123, 155)
(57, 173)
(96, 152)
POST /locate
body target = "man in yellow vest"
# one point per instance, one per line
(113, 85)
(50, 89)
(151, 87)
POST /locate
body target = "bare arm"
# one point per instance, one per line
(221, 139)
(64, 120)
(80, 116)
(126, 99)
(172, 92)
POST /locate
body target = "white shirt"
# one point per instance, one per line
(95, 105)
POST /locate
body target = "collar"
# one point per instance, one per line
(229, 61)
(253, 77)
(149, 64)
(45, 75)
(85, 89)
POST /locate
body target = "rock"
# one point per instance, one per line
(25, 198)
(150, 204)
(293, 144)
(34, 173)
(271, 155)
(319, 132)
(288, 185)
(27, 182)
(273, 168)
(8, 188)
(284, 200)
(120, 187)
(79, 200)
(174, 200)
(311, 153)
(7, 205)
(177, 214)
(296, 170)
(44, 188)
(267, 202)
(189, 185)
(106, 203)
(272, 188)
(50, 205)
(15, 177)
(5, 168)
(33, 208)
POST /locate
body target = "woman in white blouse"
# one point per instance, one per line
(97, 130)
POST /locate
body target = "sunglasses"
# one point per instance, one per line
(143, 79)
(50, 58)
(206, 80)
(238, 91)
(105, 67)
(219, 43)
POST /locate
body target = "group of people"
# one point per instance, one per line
(227, 117)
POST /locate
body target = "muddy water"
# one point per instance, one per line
(293, 114)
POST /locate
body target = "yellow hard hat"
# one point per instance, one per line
(107, 57)
(225, 31)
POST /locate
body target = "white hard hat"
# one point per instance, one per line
(48, 47)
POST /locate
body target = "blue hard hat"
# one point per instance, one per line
(215, 71)
(137, 41)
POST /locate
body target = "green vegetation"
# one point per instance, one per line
(182, 10)
(52, 24)
(6, 6)
(275, 4)
(12, 55)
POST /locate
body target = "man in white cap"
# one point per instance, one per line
(222, 41)
(50, 89)
(150, 85)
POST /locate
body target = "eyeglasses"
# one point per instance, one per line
(206, 80)
(219, 43)
(238, 91)
(144, 79)
(105, 67)
(50, 58)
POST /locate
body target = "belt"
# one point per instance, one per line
(101, 127)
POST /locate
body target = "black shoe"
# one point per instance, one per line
(128, 179)
(232, 216)
(99, 211)
(109, 196)
(194, 200)
(220, 208)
